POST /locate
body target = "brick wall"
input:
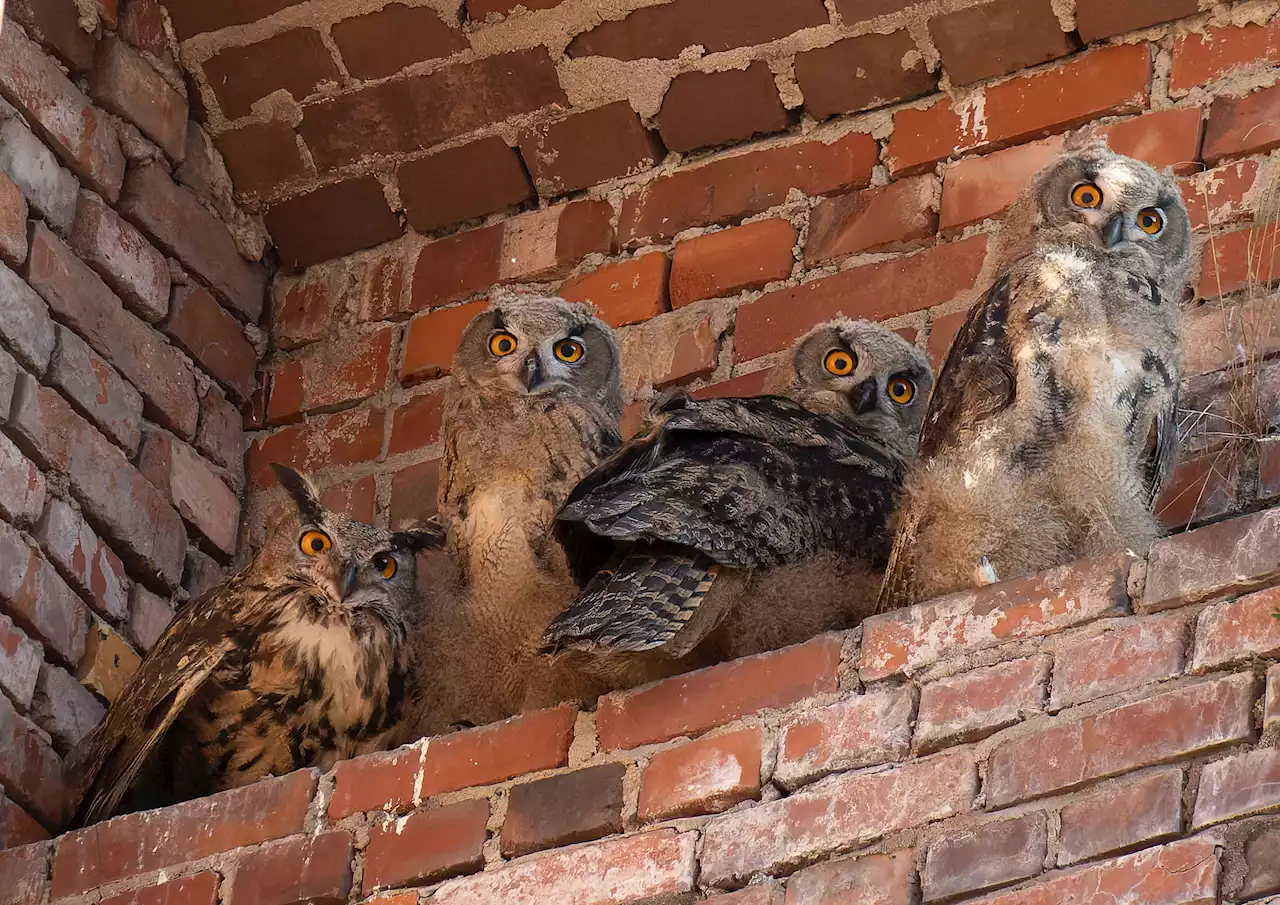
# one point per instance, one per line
(128, 314)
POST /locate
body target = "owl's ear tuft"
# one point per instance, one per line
(425, 535)
(302, 493)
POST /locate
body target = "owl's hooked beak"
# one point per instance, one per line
(1113, 231)
(534, 376)
(863, 396)
(348, 582)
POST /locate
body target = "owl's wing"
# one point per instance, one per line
(1164, 448)
(107, 763)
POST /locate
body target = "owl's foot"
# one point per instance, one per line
(985, 573)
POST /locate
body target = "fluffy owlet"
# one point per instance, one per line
(1053, 426)
(535, 404)
(740, 525)
(297, 660)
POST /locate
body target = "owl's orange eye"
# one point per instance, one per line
(902, 390)
(1151, 220)
(313, 543)
(502, 344)
(386, 565)
(840, 363)
(570, 351)
(1086, 195)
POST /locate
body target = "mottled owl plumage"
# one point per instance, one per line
(726, 501)
(1053, 425)
(297, 660)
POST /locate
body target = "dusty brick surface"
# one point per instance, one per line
(81, 557)
(214, 338)
(382, 43)
(49, 189)
(702, 777)
(566, 156)
(53, 24)
(97, 390)
(331, 222)
(193, 487)
(198, 889)
(625, 293)
(998, 38)
(20, 661)
(1231, 557)
(897, 215)
(463, 183)
(990, 855)
(24, 872)
(873, 880)
(1238, 786)
(727, 262)
(1240, 630)
(18, 828)
(426, 846)
(1119, 660)
(295, 61)
(22, 487)
(13, 222)
(315, 869)
(1121, 815)
(978, 703)
(64, 708)
(859, 732)
(124, 83)
(38, 600)
(27, 329)
(122, 257)
(30, 768)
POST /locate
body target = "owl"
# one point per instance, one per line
(535, 404)
(1053, 426)
(735, 526)
(297, 660)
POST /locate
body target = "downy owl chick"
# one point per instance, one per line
(741, 525)
(1053, 427)
(297, 660)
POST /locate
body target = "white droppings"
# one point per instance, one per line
(422, 771)
(972, 109)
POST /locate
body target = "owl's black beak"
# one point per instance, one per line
(864, 395)
(533, 373)
(348, 582)
(1113, 231)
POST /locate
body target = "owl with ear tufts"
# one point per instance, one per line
(297, 660)
(735, 526)
(1053, 427)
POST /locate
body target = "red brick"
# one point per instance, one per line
(1262, 861)
(64, 708)
(942, 333)
(563, 810)
(728, 262)
(87, 564)
(29, 768)
(193, 17)
(568, 155)
(1226, 334)
(55, 24)
(295, 61)
(547, 244)
(993, 854)
(463, 183)
(305, 308)
(345, 438)
(704, 777)
(1237, 787)
(432, 339)
(1200, 490)
(873, 291)
(1238, 631)
(694, 703)
(22, 487)
(458, 267)
(998, 38)
(142, 842)
(80, 135)
(20, 662)
(851, 809)
(13, 223)
(426, 846)
(767, 893)
(122, 257)
(311, 870)
(149, 615)
(1231, 557)
(624, 293)
(1270, 486)
(422, 111)
(193, 486)
(976, 188)
(1166, 727)
(200, 574)
(215, 339)
(863, 72)
(8, 380)
(476, 757)
(331, 222)
(199, 889)
(326, 375)
(1121, 815)
(26, 329)
(38, 600)
(416, 424)
(1203, 57)
(383, 285)
(414, 493)
(731, 188)
(221, 432)
(861, 731)
(18, 828)
(894, 216)
(124, 83)
(24, 874)
(1248, 125)
(1097, 19)
(1167, 139)
(1224, 195)
(49, 189)
(665, 31)
(181, 226)
(670, 349)
(1127, 657)
(701, 109)
(142, 25)
(976, 704)
(1105, 82)
(382, 43)
(906, 640)
(356, 499)
(872, 880)
(261, 157)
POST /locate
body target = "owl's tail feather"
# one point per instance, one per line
(899, 586)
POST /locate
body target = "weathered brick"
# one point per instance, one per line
(220, 435)
(568, 155)
(874, 292)
(24, 874)
(38, 600)
(119, 501)
(479, 10)
(84, 560)
(214, 338)
(334, 440)
(422, 111)
(18, 828)
(48, 188)
(382, 43)
(1237, 631)
(8, 381)
(356, 499)
(897, 215)
(193, 486)
(1166, 727)
(198, 889)
(701, 109)
(142, 25)
(26, 329)
(64, 708)
(432, 339)
(383, 286)
(22, 486)
(55, 24)
(331, 222)
(108, 664)
(657, 867)
(29, 768)
(694, 703)
(457, 267)
(1231, 557)
(307, 869)
(416, 424)
(295, 61)
(331, 374)
(732, 260)
(13, 222)
(861, 731)
(193, 17)
(82, 301)
(1166, 139)
(426, 846)
(1201, 57)
(985, 856)
(1199, 490)
(703, 777)
(151, 840)
(1247, 125)
(563, 810)
(625, 293)
(906, 640)
(124, 83)
(1223, 195)
(80, 135)
(1227, 334)
(122, 257)
(1121, 815)
(261, 157)
(149, 615)
(998, 38)
(303, 308)
(96, 390)
(731, 188)
(1262, 862)
(848, 810)
(1096, 19)
(20, 663)
(181, 226)
(1095, 666)
(976, 704)
(413, 493)
(667, 350)
(767, 893)
(872, 880)
(463, 183)
(976, 188)
(859, 73)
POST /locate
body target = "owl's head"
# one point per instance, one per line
(860, 373)
(541, 347)
(342, 563)
(1119, 206)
